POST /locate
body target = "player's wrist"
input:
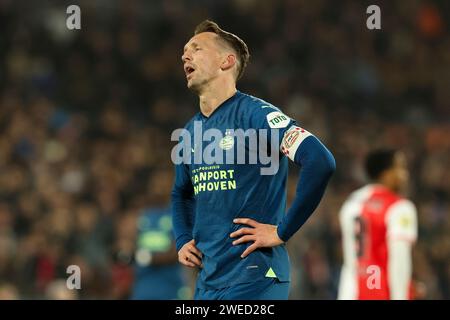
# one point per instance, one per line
(278, 235)
(182, 241)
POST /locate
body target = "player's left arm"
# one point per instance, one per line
(401, 221)
(317, 165)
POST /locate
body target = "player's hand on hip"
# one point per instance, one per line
(190, 256)
(262, 235)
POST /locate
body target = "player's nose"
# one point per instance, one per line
(186, 57)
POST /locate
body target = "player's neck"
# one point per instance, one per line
(387, 186)
(214, 95)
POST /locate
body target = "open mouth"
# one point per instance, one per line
(188, 70)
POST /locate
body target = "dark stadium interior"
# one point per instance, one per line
(86, 117)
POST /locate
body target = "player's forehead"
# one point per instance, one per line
(202, 39)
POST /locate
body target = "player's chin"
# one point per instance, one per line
(193, 86)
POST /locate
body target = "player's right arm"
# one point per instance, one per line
(317, 164)
(190, 256)
(183, 217)
(401, 235)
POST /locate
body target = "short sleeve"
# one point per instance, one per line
(401, 221)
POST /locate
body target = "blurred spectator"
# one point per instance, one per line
(8, 292)
(86, 118)
(57, 290)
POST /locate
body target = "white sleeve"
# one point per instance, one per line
(347, 284)
(401, 221)
(399, 268)
(348, 287)
(401, 234)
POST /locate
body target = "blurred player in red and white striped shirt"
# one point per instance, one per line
(379, 228)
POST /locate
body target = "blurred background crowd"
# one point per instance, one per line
(86, 117)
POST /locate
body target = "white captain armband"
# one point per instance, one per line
(292, 139)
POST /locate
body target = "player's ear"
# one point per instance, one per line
(228, 62)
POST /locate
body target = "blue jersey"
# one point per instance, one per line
(222, 192)
(156, 282)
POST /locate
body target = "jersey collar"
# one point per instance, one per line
(221, 107)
